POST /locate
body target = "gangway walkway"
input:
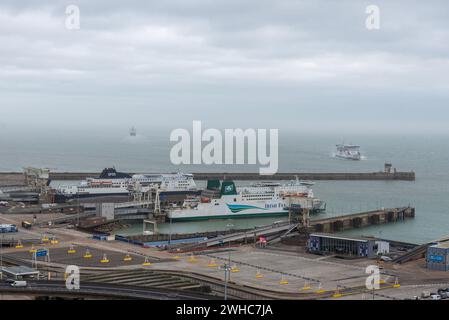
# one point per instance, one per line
(239, 236)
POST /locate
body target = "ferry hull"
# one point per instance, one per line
(62, 198)
(229, 216)
(348, 157)
(164, 196)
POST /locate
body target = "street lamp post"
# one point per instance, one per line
(78, 210)
(1, 258)
(227, 266)
(169, 235)
(226, 270)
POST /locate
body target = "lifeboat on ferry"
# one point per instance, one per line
(205, 200)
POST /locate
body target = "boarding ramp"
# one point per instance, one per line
(275, 228)
(418, 252)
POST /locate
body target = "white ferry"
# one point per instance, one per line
(348, 151)
(168, 183)
(225, 201)
(112, 183)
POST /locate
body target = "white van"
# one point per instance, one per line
(19, 284)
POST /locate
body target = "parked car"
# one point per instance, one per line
(19, 283)
(435, 297)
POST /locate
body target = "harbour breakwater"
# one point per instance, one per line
(17, 177)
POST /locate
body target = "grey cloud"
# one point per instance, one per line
(277, 61)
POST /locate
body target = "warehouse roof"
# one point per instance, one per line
(332, 236)
(20, 271)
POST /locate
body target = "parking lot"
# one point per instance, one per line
(60, 255)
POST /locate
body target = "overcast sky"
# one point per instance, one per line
(271, 64)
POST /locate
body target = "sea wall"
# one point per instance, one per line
(16, 177)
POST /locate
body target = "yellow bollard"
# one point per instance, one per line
(320, 289)
(212, 264)
(283, 281)
(259, 275)
(306, 286)
(396, 283)
(192, 259)
(105, 259)
(146, 262)
(54, 241)
(127, 258)
(71, 249)
(45, 239)
(234, 269)
(87, 255)
(33, 249)
(176, 257)
(19, 245)
(337, 293)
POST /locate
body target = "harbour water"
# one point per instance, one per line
(149, 152)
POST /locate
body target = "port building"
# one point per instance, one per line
(332, 244)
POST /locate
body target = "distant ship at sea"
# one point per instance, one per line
(348, 151)
(133, 132)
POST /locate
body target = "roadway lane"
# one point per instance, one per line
(103, 290)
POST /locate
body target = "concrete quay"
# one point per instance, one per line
(360, 220)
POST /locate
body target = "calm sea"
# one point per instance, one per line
(428, 156)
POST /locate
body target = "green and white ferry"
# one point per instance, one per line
(264, 199)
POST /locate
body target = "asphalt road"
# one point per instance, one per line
(58, 288)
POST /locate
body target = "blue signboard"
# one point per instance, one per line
(436, 258)
(41, 253)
